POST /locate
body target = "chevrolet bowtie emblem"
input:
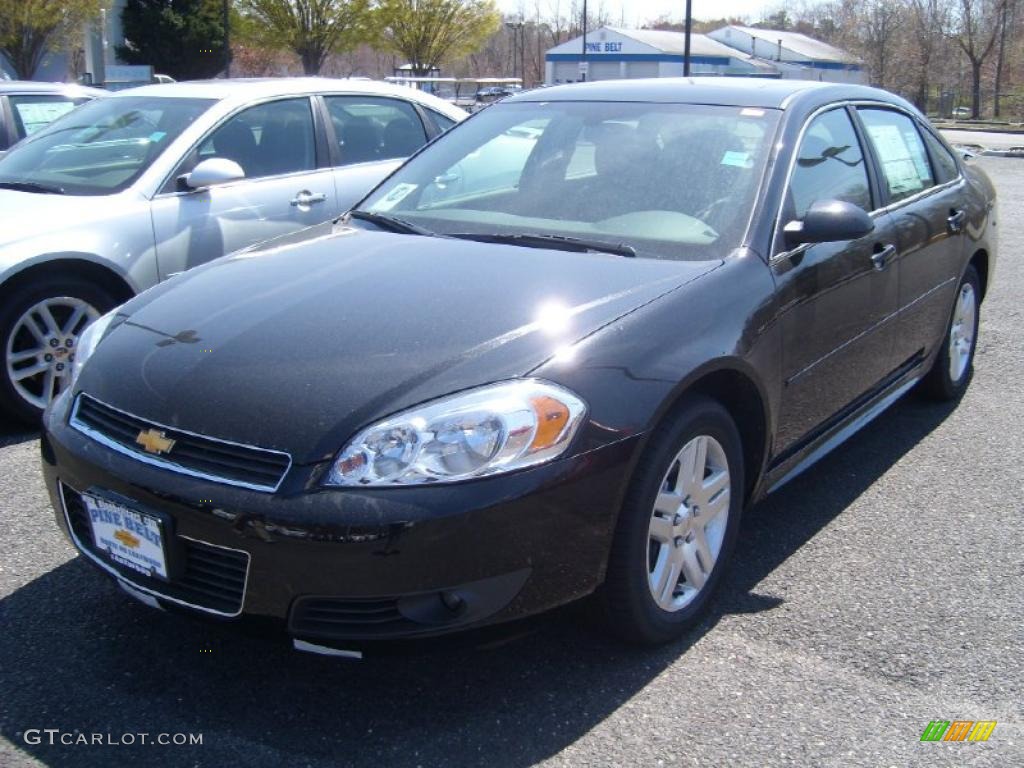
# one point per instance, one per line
(127, 539)
(154, 441)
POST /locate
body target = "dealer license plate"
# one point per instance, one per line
(128, 537)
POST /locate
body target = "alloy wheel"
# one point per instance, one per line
(42, 344)
(688, 523)
(961, 332)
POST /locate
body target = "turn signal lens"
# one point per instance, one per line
(486, 431)
(552, 419)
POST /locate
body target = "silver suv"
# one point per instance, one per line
(129, 190)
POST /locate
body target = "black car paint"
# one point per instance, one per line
(747, 329)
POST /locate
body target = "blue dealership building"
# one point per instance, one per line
(613, 53)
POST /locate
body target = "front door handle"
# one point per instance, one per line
(882, 256)
(305, 198)
(955, 222)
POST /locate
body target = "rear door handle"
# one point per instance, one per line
(882, 256)
(956, 220)
(306, 198)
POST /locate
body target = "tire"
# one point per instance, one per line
(644, 549)
(23, 397)
(951, 372)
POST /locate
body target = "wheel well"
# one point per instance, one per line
(980, 262)
(86, 270)
(741, 398)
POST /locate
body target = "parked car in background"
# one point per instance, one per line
(27, 107)
(143, 184)
(460, 405)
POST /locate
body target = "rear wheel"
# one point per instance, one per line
(677, 527)
(951, 371)
(39, 330)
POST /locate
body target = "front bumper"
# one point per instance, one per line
(355, 564)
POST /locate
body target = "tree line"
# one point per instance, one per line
(940, 54)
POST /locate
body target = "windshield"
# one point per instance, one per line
(673, 181)
(102, 147)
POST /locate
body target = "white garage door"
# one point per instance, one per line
(642, 69)
(566, 71)
(604, 70)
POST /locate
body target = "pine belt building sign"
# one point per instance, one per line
(614, 53)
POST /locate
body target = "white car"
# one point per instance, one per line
(129, 190)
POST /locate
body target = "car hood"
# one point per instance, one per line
(295, 347)
(24, 215)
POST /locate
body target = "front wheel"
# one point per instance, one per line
(39, 330)
(951, 372)
(677, 527)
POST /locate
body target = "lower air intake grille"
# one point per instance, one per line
(213, 578)
(347, 618)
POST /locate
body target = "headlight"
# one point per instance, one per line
(498, 428)
(89, 340)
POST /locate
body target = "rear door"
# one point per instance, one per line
(370, 137)
(838, 300)
(288, 185)
(924, 193)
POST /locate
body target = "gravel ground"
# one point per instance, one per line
(881, 590)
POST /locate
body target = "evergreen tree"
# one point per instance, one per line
(180, 38)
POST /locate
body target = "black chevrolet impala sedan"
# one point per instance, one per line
(555, 354)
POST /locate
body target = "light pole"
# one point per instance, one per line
(518, 29)
(227, 38)
(583, 60)
(686, 42)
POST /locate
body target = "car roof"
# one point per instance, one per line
(31, 86)
(768, 93)
(247, 88)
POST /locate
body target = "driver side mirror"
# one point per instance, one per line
(211, 172)
(829, 221)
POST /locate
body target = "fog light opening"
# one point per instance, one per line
(453, 601)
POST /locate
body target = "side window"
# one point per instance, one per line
(943, 161)
(371, 128)
(267, 140)
(829, 165)
(900, 151)
(443, 123)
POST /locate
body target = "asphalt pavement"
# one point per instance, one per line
(881, 590)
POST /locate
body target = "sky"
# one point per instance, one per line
(639, 11)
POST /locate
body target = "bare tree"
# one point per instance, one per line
(977, 28)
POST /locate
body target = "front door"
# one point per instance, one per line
(838, 300)
(284, 188)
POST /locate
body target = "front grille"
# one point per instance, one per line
(225, 462)
(213, 578)
(347, 618)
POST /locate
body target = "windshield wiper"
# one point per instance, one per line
(558, 242)
(32, 186)
(391, 223)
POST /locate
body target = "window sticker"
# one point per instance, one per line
(37, 115)
(156, 136)
(395, 196)
(736, 159)
(751, 112)
(897, 160)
